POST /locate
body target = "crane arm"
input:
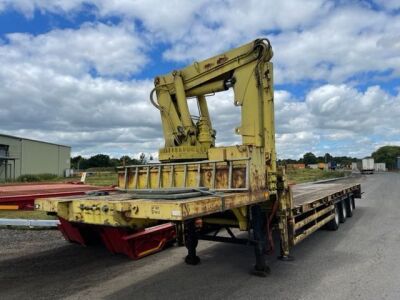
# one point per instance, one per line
(247, 70)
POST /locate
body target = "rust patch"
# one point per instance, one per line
(221, 177)
(222, 59)
(208, 66)
(238, 177)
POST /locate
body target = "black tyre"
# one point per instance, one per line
(353, 203)
(342, 211)
(349, 207)
(334, 223)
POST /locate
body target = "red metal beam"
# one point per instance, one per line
(24, 195)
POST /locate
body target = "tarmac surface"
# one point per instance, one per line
(359, 261)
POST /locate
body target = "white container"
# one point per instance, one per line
(366, 165)
(380, 167)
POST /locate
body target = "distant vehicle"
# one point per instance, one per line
(332, 165)
(322, 166)
(366, 165)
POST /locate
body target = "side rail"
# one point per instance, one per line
(325, 212)
(230, 175)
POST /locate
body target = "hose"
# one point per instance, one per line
(152, 99)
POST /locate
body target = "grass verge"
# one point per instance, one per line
(102, 179)
(310, 175)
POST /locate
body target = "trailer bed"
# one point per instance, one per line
(313, 205)
(307, 196)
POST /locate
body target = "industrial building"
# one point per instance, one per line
(20, 156)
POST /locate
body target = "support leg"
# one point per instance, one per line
(191, 241)
(284, 243)
(258, 224)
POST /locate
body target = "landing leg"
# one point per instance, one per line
(258, 224)
(285, 255)
(284, 243)
(191, 241)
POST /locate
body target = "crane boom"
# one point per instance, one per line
(249, 72)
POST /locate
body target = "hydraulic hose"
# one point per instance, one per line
(152, 99)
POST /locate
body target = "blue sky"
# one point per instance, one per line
(79, 72)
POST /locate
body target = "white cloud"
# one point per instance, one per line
(48, 92)
(344, 108)
(27, 7)
(350, 40)
(65, 85)
(109, 50)
(91, 115)
(313, 39)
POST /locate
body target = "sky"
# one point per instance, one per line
(80, 72)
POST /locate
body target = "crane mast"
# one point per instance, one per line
(248, 71)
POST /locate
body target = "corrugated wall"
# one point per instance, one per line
(35, 157)
(40, 158)
(14, 151)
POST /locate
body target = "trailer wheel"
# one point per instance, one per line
(349, 207)
(333, 224)
(342, 211)
(353, 202)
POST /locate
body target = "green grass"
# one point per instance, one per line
(20, 214)
(102, 179)
(98, 179)
(33, 178)
(309, 175)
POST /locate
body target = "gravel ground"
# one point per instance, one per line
(359, 261)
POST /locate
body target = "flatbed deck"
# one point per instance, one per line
(102, 209)
(99, 209)
(307, 196)
(311, 206)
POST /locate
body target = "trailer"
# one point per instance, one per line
(366, 165)
(200, 190)
(141, 221)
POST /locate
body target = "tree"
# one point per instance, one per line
(142, 158)
(114, 162)
(78, 162)
(328, 157)
(388, 155)
(124, 160)
(309, 158)
(127, 160)
(99, 160)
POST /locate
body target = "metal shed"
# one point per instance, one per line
(20, 156)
